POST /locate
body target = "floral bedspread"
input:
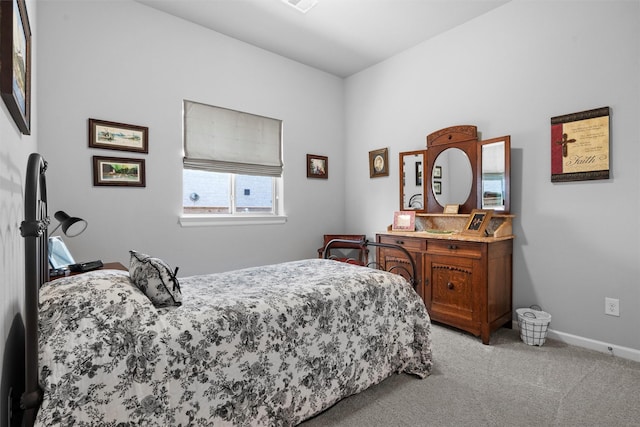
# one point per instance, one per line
(271, 345)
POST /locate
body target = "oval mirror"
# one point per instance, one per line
(452, 177)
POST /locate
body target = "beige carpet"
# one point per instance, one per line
(507, 383)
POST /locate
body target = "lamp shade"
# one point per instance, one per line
(71, 226)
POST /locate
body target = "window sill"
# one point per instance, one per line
(217, 220)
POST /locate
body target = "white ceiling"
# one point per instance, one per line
(341, 37)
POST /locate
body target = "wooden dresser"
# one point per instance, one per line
(465, 281)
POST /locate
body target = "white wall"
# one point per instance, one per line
(14, 151)
(125, 62)
(509, 72)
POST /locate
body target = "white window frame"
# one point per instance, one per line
(240, 218)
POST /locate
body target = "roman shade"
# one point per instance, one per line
(222, 140)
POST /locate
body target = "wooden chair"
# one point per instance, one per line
(339, 250)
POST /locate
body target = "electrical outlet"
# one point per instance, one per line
(612, 306)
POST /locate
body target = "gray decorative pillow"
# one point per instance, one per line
(154, 277)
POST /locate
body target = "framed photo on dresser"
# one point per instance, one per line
(404, 221)
(477, 222)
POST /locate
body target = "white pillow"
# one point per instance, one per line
(154, 277)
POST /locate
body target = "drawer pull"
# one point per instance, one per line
(453, 247)
(399, 242)
(450, 285)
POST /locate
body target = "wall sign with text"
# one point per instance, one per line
(580, 146)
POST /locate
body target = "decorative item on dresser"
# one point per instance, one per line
(463, 243)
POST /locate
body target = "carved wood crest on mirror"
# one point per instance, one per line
(457, 169)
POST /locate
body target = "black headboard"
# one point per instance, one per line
(34, 230)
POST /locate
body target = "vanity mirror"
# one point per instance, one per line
(456, 169)
(452, 177)
(412, 183)
(494, 156)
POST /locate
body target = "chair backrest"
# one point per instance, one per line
(363, 252)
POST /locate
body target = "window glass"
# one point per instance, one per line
(253, 194)
(206, 192)
(211, 193)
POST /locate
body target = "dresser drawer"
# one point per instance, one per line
(409, 243)
(456, 247)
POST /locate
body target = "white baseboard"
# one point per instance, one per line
(600, 346)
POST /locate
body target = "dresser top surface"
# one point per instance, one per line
(444, 235)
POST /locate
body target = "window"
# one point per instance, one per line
(232, 164)
(214, 193)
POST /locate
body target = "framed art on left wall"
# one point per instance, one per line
(118, 171)
(15, 62)
(118, 136)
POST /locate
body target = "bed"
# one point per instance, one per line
(269, 345)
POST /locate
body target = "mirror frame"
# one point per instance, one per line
(402, 178)
(464, 137)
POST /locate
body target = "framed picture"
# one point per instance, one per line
(437, 172)
(437, 187)
(477, 222)
(118, 171)
(15, 62)
(317, 166)
(118, 136)
(580, 146)
(378, 163)
(404, 221)
(451, 209)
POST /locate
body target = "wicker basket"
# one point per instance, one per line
(533, 325)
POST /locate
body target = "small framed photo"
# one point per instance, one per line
(451, 209)
(317, 166)
(118, 171)
(437, 187)
(404, 221)
(378, 163)
(118, 136)
(15, 61)
(477, 222)
(437, 172)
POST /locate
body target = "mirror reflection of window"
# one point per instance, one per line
(493, 176)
